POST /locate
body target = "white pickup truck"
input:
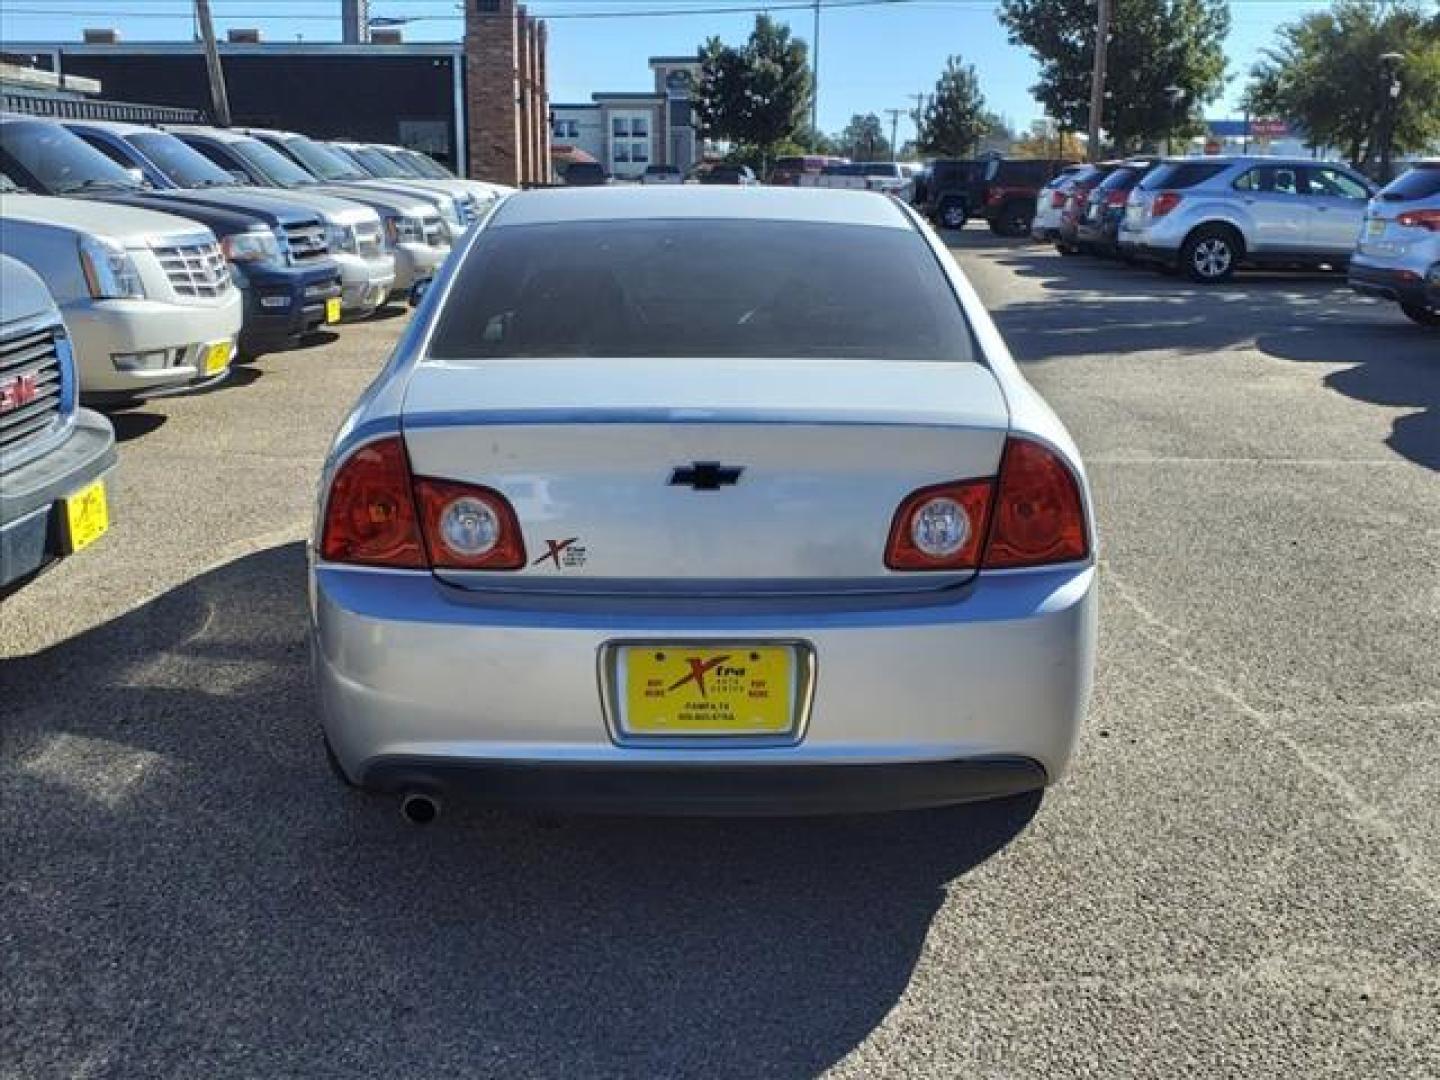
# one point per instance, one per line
(147, 296)
(889, 177)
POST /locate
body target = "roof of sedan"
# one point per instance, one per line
(638, 202)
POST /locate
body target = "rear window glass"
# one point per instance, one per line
(1419, 183)
(1182, 175)
(1122, 179)
(701, 288)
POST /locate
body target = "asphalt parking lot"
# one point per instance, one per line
(1240, 878)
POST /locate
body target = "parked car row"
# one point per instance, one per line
(1212, 217)
(139, 261)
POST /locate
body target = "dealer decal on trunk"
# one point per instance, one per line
(565, 554)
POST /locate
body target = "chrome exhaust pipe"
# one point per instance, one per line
(419, 807)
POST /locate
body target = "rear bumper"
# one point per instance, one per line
(1389, 283)
(708, 789)
(421, 681)
(30, 531)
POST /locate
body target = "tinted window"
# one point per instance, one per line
(1180, 175)
(1422, 182)
(178, 161)
(270, 163)
(762, 289)
(1122, 179)
(1271, 179)
(114, 153)
(321, 160)
(57, 159)
(1335, 184)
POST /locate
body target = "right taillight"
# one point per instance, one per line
(378, 514)
(1038, 515)
(1057, 200)
(1164, 202)
(1420, 219)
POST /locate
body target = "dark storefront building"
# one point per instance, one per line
(410, 94)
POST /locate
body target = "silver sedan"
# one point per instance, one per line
(705, 500)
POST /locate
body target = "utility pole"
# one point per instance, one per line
(219, 102)
(918, 114)
(815, 75)
(1390, 88)
(1097, 78)
(895, 115)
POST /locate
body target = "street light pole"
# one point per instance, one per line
(1097, 78)
(1390, 87)
(815, 75)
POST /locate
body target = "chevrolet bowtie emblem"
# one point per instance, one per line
(706, 475)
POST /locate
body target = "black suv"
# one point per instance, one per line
(948, 192)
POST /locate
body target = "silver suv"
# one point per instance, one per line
(1398, 257)
(1209, 216)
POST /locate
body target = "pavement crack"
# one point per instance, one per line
(1414, 866)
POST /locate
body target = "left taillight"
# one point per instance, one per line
(370, 514)
(378, 514)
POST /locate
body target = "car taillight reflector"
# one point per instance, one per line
(1420, 219)
(1038, 516)
(1116, 198)
(928, 518)
(1164, 202)
(370, 515)
(467, 527)
(1057, 200)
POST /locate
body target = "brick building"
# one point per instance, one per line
(479, 105)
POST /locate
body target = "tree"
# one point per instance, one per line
(863, 139)
(756, 96)
(1326, 75)
(1166, 60)
(954, 118)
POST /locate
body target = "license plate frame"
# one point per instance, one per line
(86, 515)
(613, 675)
(332, 310)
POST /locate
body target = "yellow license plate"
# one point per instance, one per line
(217, 358)
(714, 690)
(332, 309)
(87, 516)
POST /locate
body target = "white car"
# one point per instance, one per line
(780, 528)
(148, 297)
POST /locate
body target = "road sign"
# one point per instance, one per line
(1269, 129)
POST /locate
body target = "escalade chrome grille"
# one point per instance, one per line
(196, 269)
(369, 240)
(29, 386)
(307, 241)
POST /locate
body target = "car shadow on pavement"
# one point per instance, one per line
(1110, 310)
(134, 425)
(188, 890)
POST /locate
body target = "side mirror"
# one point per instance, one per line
(418, 291)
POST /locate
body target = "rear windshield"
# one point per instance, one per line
(693, 288)
(1421, 182)
(1122, 179)
(1181, 175)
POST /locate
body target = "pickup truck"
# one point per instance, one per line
(350, 235)
(148, 297)
(54, 455)
(284, 298)
(414, 231)
(887, 177)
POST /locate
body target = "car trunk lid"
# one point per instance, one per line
(692, 476)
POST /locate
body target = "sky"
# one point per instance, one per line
(872, 58)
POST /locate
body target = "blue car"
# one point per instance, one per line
(277, 256)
